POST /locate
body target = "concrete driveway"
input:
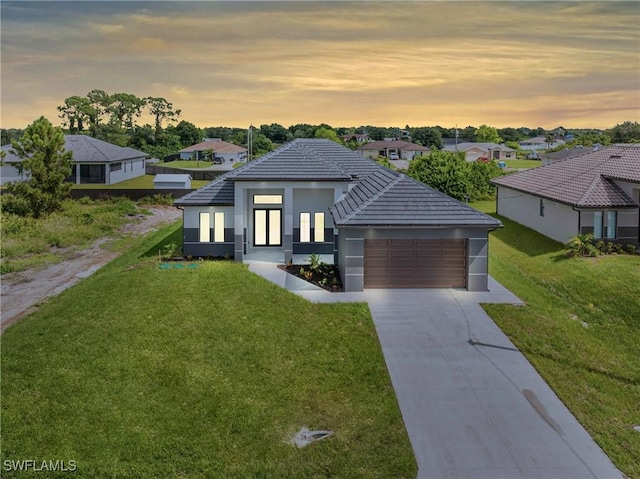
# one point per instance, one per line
(473, 406)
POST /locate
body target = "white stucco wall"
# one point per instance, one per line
(560, 222)
(130, 169)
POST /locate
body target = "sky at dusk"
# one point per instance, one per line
(527, 63)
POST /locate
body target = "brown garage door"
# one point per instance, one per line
(415, 263)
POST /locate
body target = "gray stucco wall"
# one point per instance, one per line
(350, 256)
(191, 232)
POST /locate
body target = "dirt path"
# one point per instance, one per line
(22, 292)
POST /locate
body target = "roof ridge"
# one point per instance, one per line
(330, 163)
(90, 142)
(371, 199)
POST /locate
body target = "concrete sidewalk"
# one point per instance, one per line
(473, 406)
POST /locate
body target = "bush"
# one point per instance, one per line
(582, 245)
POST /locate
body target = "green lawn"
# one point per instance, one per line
(186, 164)
(522, 163)
(206, 372)
(580, 328)
(141, 182)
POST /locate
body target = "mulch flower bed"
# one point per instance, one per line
(326, 276)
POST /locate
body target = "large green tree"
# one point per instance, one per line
(46, 165)
(162, 110)
(487, 134)
(627, 132)
(446, 171)
(76, 113)
(124, 107)
(189, 133)
(427, 136)
(327, 133)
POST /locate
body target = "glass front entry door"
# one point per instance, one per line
(267, 227)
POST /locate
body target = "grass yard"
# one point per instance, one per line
(27, 242)
(580, 329)
(522, 163)
(205, 372)
(144, 182)
(186, 164)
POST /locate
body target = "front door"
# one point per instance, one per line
(267, 227)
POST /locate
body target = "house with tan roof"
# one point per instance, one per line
(403, 149)
(224, 152)
(596, 192)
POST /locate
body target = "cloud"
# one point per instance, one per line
(334, 62)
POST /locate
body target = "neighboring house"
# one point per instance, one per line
(94, 162)
(382, 228)
(359, 137)
(548, 158)
(172, 182)
(223, 151)
(540, 143)
(489, 151)
(404, 149)
(597, 192)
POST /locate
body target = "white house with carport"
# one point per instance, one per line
(93, 162)
(596, 192)
(382, 228)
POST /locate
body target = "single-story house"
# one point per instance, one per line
(540, 143)
(382, 228)
(94, 161)
(597, 192)
(223, 151)
(172, 181)
(490, 151)
(359, 137)
(404, 149)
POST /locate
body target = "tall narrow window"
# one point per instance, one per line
(597, 224)
(318, 230)
(541, 207)
(274, 227)
(611, 224)
(218, 227)
(305, 227)
(205, 231)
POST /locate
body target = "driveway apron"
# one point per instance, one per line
(473, 406)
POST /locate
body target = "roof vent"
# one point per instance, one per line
(615, 156)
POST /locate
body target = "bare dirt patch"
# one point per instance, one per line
(22, 292)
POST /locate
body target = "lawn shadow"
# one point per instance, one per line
(524, 239)
(175, 237)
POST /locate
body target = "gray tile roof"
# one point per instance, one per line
(378, 197)
(585, 180)
(87, 149)
(386, 198)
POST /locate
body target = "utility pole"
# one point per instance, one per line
(250, 143)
